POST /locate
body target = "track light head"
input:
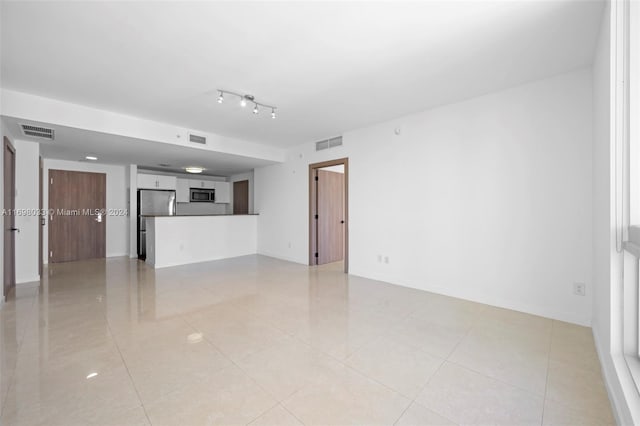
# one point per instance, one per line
(246, 99)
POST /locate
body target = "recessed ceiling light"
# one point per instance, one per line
(194, 169)
(92, 375)
(91, 158)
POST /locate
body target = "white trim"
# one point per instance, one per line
(619, 383)
(35, 278)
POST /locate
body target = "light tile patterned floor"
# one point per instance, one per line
(259, 341)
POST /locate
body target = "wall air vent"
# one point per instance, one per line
(37, 131)
(197, 139)
(329, 143)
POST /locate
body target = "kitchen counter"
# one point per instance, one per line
(179, 240)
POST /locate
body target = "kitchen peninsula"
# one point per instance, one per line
(179, 240)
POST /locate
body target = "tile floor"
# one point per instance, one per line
(258, 341)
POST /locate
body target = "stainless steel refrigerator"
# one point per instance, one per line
(152, 202)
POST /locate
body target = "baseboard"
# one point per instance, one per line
(499, 303)
(618, 382)
(280, 257)
(22, 281)
(118, 255)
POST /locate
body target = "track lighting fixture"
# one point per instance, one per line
(245, 99)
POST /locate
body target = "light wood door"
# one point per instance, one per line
(9, 218)
(241, 197)
(330, 211)
(77, 219)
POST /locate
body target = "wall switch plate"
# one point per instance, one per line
(379, 258)
(386, 259)
(579, 289)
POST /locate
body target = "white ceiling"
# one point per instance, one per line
(329, 66)
(75, 144)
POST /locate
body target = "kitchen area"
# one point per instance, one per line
(185, 219)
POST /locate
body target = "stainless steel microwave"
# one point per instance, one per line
(200, 195)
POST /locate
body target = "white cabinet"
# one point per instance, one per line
(223, 192)
(206, 184)
(182, 190)
(156, 182)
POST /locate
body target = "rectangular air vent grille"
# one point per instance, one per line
(335, 142)
(329, 143)
(198, 139)
(37, 131)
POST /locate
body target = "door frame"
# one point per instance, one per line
(41, 217)
(313, 200)
(7, 145)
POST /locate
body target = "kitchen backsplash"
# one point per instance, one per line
(200, 208)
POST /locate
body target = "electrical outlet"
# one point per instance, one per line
(579, 289)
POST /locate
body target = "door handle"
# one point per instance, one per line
(15, 230)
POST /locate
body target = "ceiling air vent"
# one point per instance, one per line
(335, 142)
(329, 143)
(322, 145)
(37, 131)
(198, 139)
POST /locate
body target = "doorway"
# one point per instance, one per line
(9, 261)
(241, 197)
(329, 212)
(77, 215)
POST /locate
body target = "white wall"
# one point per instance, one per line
(27, 188)
(117, 197)
(488, 199)
(132, 177)
(239, 177)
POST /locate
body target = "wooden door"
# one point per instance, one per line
(77, 219)
(241, 197)
(10, 230)
(330, 211)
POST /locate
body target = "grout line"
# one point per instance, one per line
(18, 350)
(126, 367)
(546, 382)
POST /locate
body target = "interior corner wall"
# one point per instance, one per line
(27, 172)
(489, 199)
(132, 185)
(117, 240)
